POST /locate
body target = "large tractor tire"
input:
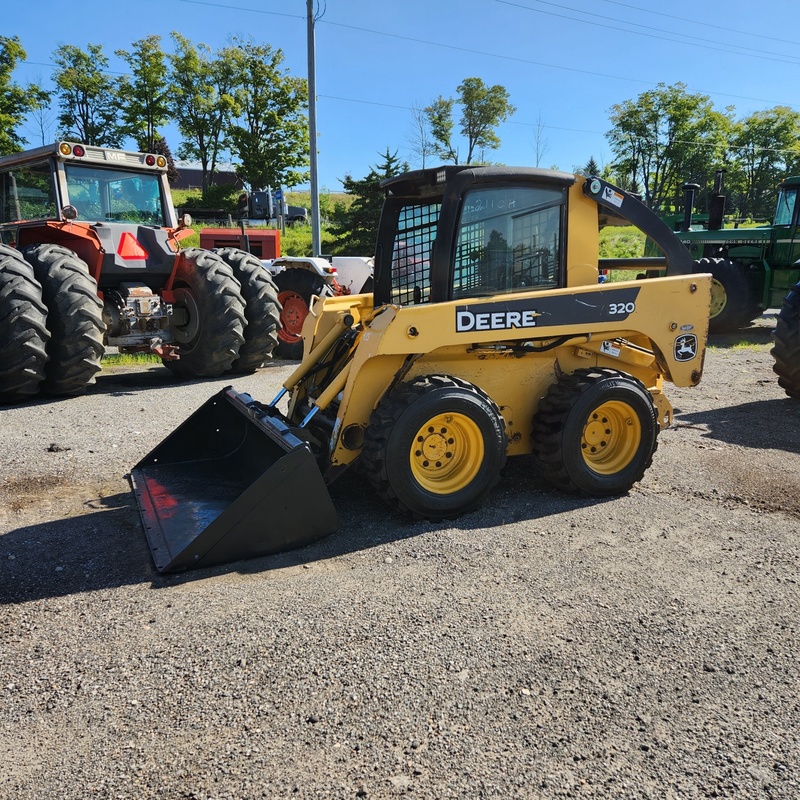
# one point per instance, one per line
(434, 447)
(733, 303)
(296, 287)
(23, 328)
(262, 310)
(786, 350)
(74, 319)
(595, 432)
(212, 335)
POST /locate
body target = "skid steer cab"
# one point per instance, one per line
(488, 335)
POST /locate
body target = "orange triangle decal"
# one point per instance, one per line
(129, 248)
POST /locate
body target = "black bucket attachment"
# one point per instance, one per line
(231, 482)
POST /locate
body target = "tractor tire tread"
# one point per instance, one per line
(222, 310)
(74, 319)
(786, 347)
(23, 320)
(382, 421)
(262, 310)
(550, 420)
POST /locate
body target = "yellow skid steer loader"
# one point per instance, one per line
(488, 335)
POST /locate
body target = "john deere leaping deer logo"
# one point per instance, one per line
(685, 347)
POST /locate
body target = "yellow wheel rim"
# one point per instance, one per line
(719, 298)
(611, 437)
(446, 453)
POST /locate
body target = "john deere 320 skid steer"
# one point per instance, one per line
(488, 335)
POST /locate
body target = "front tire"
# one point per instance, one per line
(296, 287)
(595, 432)
(23, 328)
(262, 310)
(212, 334)
(74, 318)
(786, 350)
(732, 301)
(434, 447)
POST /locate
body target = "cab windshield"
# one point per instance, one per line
(114, 195)
(785, 210)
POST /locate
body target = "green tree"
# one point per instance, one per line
(483, 109)
(664, 138)
(591, 167)
(356, 227)
(16, 101)
(269, 137)
(765, 147)
(440, 119)
(86, 96)
(143, 95)
(202, 103)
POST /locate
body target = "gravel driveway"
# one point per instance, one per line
(544, 646)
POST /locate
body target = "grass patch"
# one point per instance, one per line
(129, 359)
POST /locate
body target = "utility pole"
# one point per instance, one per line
(316, 237)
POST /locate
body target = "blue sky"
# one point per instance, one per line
(564, 63)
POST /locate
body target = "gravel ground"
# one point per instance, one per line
(542, 647)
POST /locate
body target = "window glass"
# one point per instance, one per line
(27, 193)
(114, 195)
(785, 209)
(411, 258)
(508, 240)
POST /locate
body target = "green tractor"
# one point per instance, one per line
(752, 269)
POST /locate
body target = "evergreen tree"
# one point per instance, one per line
(356, 228)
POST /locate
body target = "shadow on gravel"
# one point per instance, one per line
(759, 332)
(116, 382)
(773, 424)
(106, 548)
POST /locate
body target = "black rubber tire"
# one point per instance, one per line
(786, 350)
(262, 310)
(210, 341)
(23, 328)
(595, 432)
(733, 303)
(404, 437)
(296, 287)
(74, 319)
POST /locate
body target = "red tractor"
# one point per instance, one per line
(91, 258)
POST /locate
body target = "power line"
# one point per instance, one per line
(716, 26)
(704, 43)
(471, 51)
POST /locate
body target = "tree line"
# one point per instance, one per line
(239, 102)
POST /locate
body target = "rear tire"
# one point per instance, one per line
(262, 310)
(296, 287)
(74, 318)
(210, 340)
(23, 328)
(595, 432)
(732, 301)
(786, 350)
(434, 447)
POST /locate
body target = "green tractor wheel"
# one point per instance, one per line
(786, 350)
(733, 304)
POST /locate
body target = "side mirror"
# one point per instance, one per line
(69, 213)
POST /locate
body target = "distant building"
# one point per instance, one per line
(190, 175)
